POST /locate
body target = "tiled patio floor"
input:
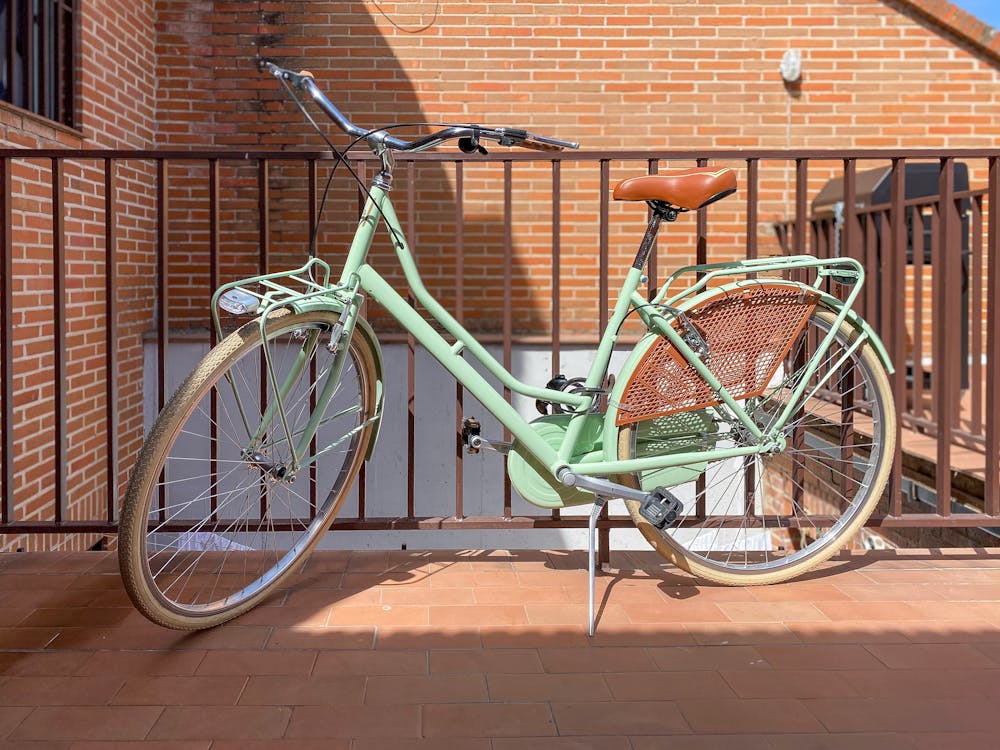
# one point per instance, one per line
(489, 650)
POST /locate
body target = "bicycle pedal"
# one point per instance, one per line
(661, 508)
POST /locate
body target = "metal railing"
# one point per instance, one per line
(936, 405)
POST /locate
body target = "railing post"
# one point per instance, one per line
(7, 347)
(992, 484)
(946, 327)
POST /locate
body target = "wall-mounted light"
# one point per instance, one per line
(791, 66)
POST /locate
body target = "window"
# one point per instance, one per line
(36, 56)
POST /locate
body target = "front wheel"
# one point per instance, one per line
(770, 517)
(218, 511)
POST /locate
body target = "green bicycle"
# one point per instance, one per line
(750, 431)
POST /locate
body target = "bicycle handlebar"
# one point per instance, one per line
(467, 135)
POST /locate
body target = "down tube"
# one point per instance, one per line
(380, 291)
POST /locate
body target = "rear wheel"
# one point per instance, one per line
(770, 517)
(216, 514)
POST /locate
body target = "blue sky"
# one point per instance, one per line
(986, 10)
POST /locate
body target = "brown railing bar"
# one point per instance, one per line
(701, 229)
(945, 359)
(7, 346)
(411, 345)
(162, 327)
(314, 442)
(849, 231)
(460, 317)
(111, 335)
(917, 351)
(213, 284)
(556, 267)
(556, 276)
(973, 315)
(603, 533)
(992, 447)
(753, 198)
(11, 34)
(44, 84)
(801, 206)
(895, 274)
(28, 69)
(59, 335)
(362, 171)
(508, 273)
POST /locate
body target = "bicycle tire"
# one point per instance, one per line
(756, 566)
(205, 575)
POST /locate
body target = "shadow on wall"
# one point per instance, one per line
(357, 68)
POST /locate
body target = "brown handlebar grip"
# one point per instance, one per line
(307, 74)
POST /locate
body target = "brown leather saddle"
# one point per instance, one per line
(685, 189)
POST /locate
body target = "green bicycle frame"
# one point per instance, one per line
(359, 277)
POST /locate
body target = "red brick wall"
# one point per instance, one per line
(114, 109)
(695, 76)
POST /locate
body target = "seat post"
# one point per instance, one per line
(660, 212)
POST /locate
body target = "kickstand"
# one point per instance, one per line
(592, 562)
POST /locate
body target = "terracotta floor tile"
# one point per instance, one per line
(384, 615)
(929, 683)
(777, 611)
(55, 617)
(257, 663)
(849, 631)
(708, 593)
(893, 592)
(852, 741)
(518, 595)
(282, 744)
(128, 663)
(692, 658)
(145, 745)
(58, 690)
(753, 716)
(596, 660)
(905, 714)
(796, 591)
(788, 683)
(610, 614)
(287, 616)
(536, 636)
(646, 686)
(478, 614)
(645, 634)
(229, 722)
(969, 630)
(952, 740)
(704, 742)
(488, 720)
(88, 723)
(10, 717)
(483, 661)
(688, 611)
(427, 637)
(333, 663)
(299, 690)
(323, 598)
(423, 743)
(430, 597)
(632, 717)
(361, 722)
(302, 637)
(40, 663)
(27, 638)
(818, 656)
(425, 689)
(151, 637)
(743, 634)
(187, 690)
(541, 688)
(563, 743)
(931, 656)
